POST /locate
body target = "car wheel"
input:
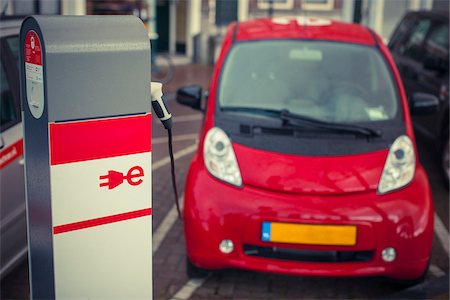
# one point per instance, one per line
(193, 271)
(445, 158)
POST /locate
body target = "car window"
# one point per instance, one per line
(13, 44)
(328, 81)
(8, 113)
(413, 45)
(400, 34)
(439, 37)
(437, 48)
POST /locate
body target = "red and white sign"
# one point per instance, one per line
(34, 73)
(89, 218)
(113, 179)
(33, 50)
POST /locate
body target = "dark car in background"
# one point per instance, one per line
(420, 47)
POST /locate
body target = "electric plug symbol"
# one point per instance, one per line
(114, 178)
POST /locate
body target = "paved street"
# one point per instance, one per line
(170, 280)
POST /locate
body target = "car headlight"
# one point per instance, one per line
(219, 157)
(399, 167)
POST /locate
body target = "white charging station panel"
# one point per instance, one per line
(100, 182)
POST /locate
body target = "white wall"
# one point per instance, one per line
(73, 7)
(393, 12)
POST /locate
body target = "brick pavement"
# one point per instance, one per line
(168, 261)
(189, 75)
(236, 284)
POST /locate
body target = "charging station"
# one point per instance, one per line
(85, 90)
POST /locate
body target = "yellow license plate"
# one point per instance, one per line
(335, 235)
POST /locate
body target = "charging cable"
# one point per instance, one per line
(163, 114)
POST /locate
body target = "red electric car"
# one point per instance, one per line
(307, 162)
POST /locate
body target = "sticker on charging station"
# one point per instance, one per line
(34, 74)
(100, 171)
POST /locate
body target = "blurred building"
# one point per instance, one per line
(194, 28)
(380, 15)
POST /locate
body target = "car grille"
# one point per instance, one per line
(308, 255)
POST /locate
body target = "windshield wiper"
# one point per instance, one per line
(262, 111)
(302, 121)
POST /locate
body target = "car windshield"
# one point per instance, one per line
(327, 81)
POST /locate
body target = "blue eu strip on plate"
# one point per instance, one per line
(265, 236)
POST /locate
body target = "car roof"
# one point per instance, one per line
(436, 14)
(303, 28)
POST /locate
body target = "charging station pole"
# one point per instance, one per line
(87, 129)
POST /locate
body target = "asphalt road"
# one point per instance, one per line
(170, 281)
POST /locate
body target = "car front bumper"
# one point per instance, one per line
(401, 219)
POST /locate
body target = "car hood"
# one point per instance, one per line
(310, 174)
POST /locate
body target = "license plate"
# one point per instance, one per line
(335, 235)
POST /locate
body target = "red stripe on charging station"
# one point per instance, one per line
(102, 221)
(95, 139)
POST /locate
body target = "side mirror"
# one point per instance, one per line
(190, 96)
(422, 104)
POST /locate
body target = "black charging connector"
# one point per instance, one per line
(163, 114)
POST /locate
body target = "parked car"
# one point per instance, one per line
(420, 49)
(13, 231)
(307, 162)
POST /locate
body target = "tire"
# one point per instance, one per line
(193, 271)
(445, 158)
